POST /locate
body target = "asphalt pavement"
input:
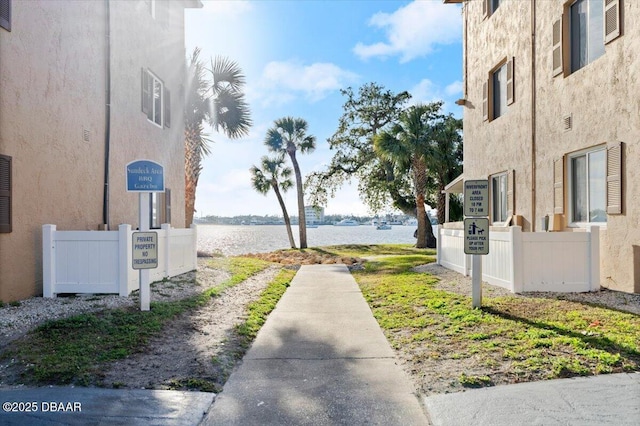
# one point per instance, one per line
(322, 359)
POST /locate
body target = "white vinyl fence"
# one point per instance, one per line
(101, 261)
(529, 261)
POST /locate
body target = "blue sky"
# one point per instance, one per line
(297, 55)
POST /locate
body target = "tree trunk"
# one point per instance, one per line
(425, 237)
(189, 201)
(441, 205)
(287, 221)
(191, 173)
(422, 222)
(302, 225)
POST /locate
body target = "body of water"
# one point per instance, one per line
(232, 240)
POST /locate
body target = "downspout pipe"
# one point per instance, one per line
(107, 112)
(533, 115)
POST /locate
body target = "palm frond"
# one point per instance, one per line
(226, 74)
(231, 113)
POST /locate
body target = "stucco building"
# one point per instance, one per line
(552, 119)
(85, 88)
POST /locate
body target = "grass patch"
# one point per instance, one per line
(71, 350)
(261, 308)
(368, 250)
(528, 338)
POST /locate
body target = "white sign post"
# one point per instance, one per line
(145, 177)
(476, 232)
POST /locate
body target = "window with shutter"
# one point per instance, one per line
(154, 103)
(587, 32)
(485, 101)
(167, 205)
(496, 95)
(587, 186)
(499, 198)
(146, 92)
(511, 199)
(167, 108)
(5, 14)
(558, 186)
(489, 7)
(5, 194)
(510, 84)
(614, 178)
(557, 47)
(611, 20)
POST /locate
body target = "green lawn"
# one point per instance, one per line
(510, 339)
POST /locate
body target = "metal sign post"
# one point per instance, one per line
(476, 232)
(145, 177)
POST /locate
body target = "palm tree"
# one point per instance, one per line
(408, 145)
(286, 137)
(273, 175)
(218, 102)
(445, 161)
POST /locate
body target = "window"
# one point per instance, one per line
(156, 100)
(498, 91)
(499, 85)
(5, 14)
(579, 38)
(5, 194)
(499, 198)
(160, 208)
(587, 32)
(490, 6)
(587, 185)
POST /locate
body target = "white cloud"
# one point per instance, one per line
(413, 30)
(425, 91)
(282, 82)
(454, 88)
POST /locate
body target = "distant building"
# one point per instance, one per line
(314, 215)
(87, 87)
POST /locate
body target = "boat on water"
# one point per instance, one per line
(348, 222)
(383, 226)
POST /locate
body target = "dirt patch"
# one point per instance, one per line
(297, 257)
(196, 350)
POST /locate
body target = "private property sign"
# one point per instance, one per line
(145, 250)
(145, 176)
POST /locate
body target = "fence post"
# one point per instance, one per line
(194, 235)
(594, 258)
(124, 258)
(48, 261)
(439, 247)
(166, 227)
(517, 259)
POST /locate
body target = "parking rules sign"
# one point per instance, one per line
(476, 197)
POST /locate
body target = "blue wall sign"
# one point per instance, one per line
(145, 176)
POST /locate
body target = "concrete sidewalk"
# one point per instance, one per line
(610, 399)
(320, 359)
